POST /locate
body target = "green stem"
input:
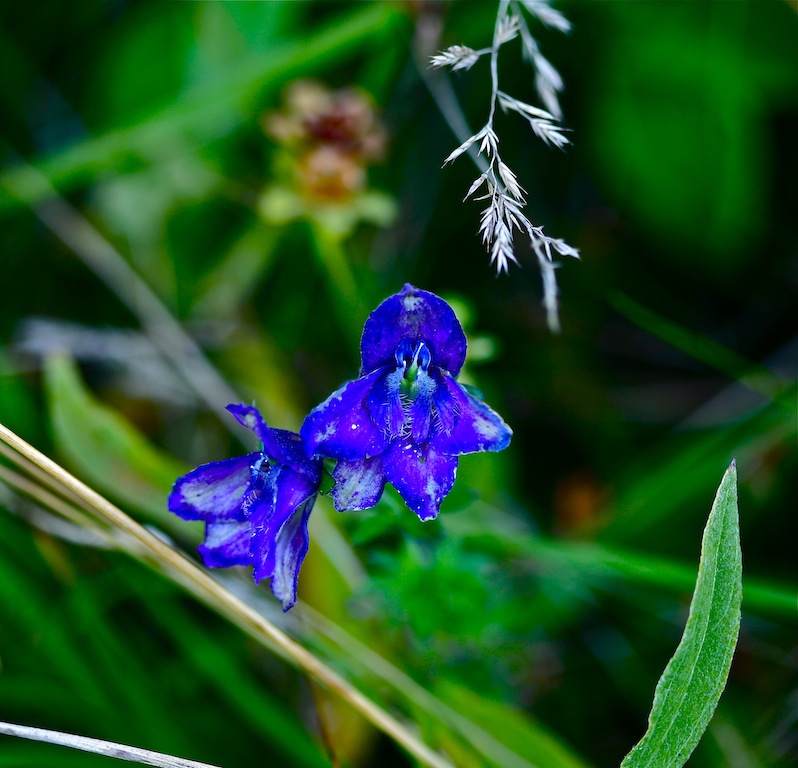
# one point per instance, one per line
(345, 295)
(714, 355)
(228, 285)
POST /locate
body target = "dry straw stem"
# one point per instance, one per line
(164, 331)
(43, 497)
(108, 748)
(205, 588)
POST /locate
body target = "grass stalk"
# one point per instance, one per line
(346, 297)
(36, 493)
(165, 332)
(99, 747)
(702, 348)
(477, 737)
(212, 593)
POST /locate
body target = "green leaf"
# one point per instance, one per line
(106, 449)
(689, 689)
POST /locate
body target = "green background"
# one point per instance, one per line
(554, 587)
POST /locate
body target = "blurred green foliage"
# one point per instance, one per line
(546, 601)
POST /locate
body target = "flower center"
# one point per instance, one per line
(412, 361)
(402, 403)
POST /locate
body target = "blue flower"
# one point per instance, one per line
(255, 507)
(406, 419)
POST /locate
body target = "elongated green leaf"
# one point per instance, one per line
(689, 689)
(106, 449)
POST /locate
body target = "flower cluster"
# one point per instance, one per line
(328, 139)
(405, 421)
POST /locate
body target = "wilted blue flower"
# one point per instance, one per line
(255, 507)
(406, 419)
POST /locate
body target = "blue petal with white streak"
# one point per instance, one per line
(255, 507)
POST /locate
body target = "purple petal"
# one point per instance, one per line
(415, 315)
(477, 427)
(213, 492)
(342, 427)
(358, 484)
(420, 410)
(278, 444)
(280, 538)
(291, 546)
(226, 544)
(422, 475)
(261, 517)
(283, 491)
(295, 451)
(384, 402)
